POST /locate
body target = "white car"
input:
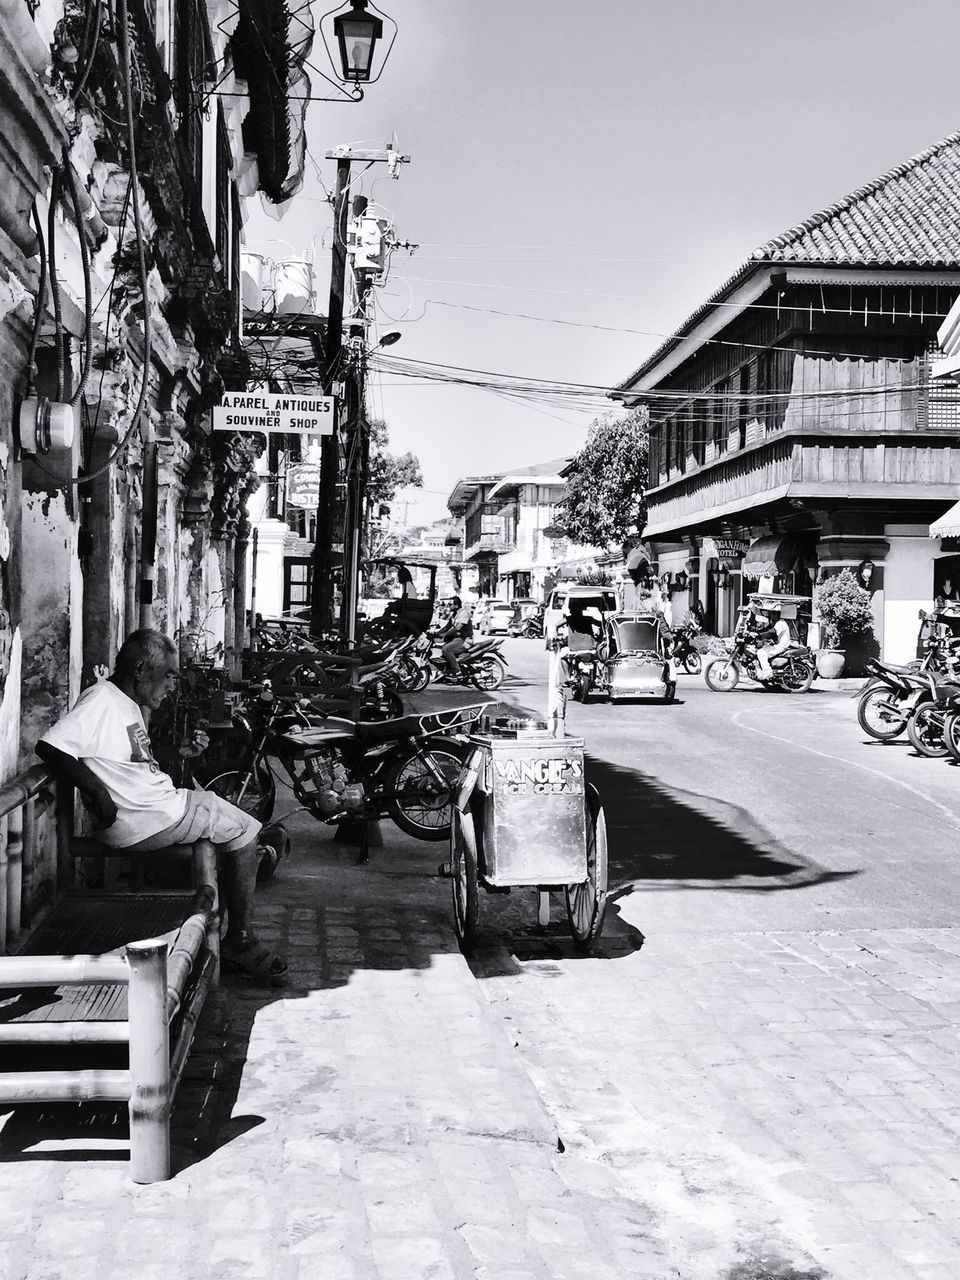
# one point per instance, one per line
(602, 598)
(497, 618)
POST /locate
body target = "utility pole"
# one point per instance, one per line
(321, 597)
(350, 415)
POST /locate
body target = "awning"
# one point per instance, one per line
(778, 553)
(948, 526)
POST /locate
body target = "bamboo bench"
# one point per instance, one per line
(98, 969)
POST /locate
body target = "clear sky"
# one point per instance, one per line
(599, 165)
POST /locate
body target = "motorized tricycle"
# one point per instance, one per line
(632, 659)
(410, 614)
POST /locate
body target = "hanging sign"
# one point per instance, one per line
(265, 411)
(730, 547)
(303, 485)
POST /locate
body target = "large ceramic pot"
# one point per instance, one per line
(830, 663)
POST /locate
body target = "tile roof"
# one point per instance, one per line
(908, 217)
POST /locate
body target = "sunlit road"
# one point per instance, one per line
(765, 1047)
(767, 810)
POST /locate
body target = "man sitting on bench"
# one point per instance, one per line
(102, 747)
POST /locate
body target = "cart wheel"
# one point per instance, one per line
(463, 873)
(587, 902)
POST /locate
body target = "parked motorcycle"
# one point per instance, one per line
(401, 769)
(529, 628)
(684, 653)
(926, 726)
(892, 694)
(793, 670)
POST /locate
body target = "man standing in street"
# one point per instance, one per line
(103, 748)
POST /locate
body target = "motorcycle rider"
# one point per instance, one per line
(457, 636)
(584, 627)
(773, 636)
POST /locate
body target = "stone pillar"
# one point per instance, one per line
(271, 535)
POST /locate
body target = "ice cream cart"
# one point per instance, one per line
(526, 816)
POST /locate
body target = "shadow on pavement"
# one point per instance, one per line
(662, 833)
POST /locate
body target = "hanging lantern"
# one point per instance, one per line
(357, 34)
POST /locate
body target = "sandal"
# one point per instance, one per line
(255, 961)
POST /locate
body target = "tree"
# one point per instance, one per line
(603, 500)
(389, 472)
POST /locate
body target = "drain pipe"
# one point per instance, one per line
(148, 534)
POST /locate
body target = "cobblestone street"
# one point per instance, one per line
(739, 1085)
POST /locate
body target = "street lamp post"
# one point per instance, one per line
(357, 34)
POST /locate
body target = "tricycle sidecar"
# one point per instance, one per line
(633, 658)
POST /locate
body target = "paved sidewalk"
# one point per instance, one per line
(371, 1121)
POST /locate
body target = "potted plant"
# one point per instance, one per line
(844, 612)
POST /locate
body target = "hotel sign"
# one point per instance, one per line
(730, 547)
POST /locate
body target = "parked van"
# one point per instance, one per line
(602, 598)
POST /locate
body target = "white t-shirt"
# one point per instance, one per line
(107, 732)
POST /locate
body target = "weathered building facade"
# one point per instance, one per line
(120, 298)
(794, 425)
(508, 534)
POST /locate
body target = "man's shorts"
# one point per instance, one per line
(208, 817)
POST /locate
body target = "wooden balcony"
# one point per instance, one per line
(491, 543)
(895, 467)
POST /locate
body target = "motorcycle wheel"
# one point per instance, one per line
(487, 674)
(797, 677)
(582, 691)
(259, 797)
(875, 718)
(951, 734)
(925, 733)
(412, 675)
(260, 794)
(722, 675)
(417, 801)
(692, 662)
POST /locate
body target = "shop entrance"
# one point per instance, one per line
(946, 578)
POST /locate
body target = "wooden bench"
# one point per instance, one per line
(91, 968)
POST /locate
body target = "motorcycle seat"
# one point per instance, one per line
(371, 731)
(892, 668)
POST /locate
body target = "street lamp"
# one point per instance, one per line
(357, 33)
(388, 339)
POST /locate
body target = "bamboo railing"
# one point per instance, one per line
(166, 984)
